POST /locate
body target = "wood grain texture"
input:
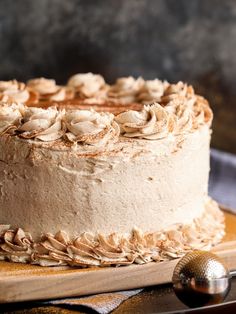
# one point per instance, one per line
(20, 282)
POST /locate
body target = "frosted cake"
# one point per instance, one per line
(93, 174)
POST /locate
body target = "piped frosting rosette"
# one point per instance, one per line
(89, 86)
(126, 89)
(153, 122)
(202, 112)
(42, 124)
(14, 91)
(10, 117)
(152, 90)
(91, 127)
(49, 90)
(191, 112)
(178, 116)
(175, 91)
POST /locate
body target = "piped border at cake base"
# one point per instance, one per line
(114, 250)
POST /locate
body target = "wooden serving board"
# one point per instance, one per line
(19, 282)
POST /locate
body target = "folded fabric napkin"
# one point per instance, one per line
(222, 187)
(101, 303)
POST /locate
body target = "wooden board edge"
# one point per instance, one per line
(106, 280)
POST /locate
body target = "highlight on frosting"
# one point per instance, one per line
(88, 85)
(91, 127)
(115, 249)
(14, 91)
(42, 124)
(49, 90)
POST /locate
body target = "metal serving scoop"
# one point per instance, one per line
(201, 278)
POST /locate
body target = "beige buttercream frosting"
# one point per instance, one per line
(91, 127)
(42, 124)
(43, 85)
(78, 126)
(180, 89)
(178, 116)
(14, 91)
(57, 173)
(139, 247)
(153, 122)
(152, 91)
(49, 90)
(10, 117)
(125, 89)
(92, 89)
(88, 85)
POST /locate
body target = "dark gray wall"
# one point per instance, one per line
(190, 40)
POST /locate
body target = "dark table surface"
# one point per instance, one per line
(158, 299)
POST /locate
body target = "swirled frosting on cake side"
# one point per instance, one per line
(98, 250)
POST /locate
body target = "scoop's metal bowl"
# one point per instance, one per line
(201, 278)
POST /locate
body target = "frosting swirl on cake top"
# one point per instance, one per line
(10, 117)
(93, 89)
(42, 124)
(49, 90)
(76, 126)
(14, 91)
(171, 109)
(152, 90)
(91, 127)
(126, 89)
(153, 122)
(88, 85)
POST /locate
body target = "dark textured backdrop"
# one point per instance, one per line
(190, 40)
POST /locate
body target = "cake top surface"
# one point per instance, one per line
(88, 111)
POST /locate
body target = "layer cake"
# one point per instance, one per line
(93, 174)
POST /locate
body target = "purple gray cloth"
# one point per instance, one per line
(222, 187)
(222, 183)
